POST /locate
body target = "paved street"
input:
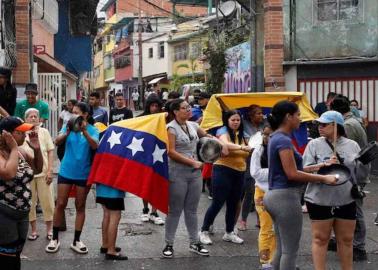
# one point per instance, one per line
(143, 243)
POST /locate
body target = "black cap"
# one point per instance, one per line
(31, 87)
(204, 95)
(12, 123)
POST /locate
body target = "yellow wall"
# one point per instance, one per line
(107, 32)
(98, 62)
(182, 71)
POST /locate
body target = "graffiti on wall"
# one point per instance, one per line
(237, 78)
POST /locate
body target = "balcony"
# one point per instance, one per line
(47, 13)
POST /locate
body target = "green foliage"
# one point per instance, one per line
(216, 55)
(177, 81)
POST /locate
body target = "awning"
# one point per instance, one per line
(156, 80)
(47, 63)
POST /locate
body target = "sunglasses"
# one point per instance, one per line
(324, 124)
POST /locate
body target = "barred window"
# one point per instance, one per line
(338, 10)
(181, 52)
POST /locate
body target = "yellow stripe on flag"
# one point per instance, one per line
(153, 124)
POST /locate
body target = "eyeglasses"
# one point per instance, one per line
(187, 108)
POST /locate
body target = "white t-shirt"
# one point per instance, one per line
(65, 116)
(135, 96)
(165, 95)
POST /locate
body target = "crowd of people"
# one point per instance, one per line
(271, 177)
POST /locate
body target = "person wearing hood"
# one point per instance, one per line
(8, 93)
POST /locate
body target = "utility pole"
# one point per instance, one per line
(140, 68)
(253, 45)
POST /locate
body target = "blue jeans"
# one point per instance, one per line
(227, 188)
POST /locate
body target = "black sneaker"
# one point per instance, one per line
(376, 220)
(332, 245)
(168, 251)
(199, 249)
(359, 255)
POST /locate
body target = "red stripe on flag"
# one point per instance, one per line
(130, 176)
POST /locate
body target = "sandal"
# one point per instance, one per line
(116, 257)
(53, 246)
(33, 237)
(79, 247)
(105, 250)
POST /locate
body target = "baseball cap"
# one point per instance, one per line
(31, 88)
(330, 117)
(12, 123)
(204, 95)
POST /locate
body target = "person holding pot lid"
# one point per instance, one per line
(74, 170)
(332, 207)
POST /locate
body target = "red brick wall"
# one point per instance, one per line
(273, 46)
(21, 73)
(149, 10)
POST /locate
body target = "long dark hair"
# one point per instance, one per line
(153, 98)
(226, 116)
(174, 105)
(279, 112)
(85, 108)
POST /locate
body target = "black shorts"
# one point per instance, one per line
(67, 181)
(112, 203)
(319, 212)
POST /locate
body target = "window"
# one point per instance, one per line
(150, 52)
(181, 52)
(161, 50)
(108, 61)
(122, 61)
(196, 50)
(338, 10)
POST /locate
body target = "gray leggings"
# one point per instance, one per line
(184, 195)
(284, 206)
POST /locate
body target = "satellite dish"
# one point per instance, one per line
(228, 9)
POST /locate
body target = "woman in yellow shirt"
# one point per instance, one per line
(228, 178)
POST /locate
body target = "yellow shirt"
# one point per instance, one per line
(236, 159)
(46, 144)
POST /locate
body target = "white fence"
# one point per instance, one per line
(50, 90)
(361, 89)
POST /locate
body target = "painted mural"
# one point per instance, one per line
(237, 78)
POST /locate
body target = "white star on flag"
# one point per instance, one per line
(158, 154)
(115, 138)
(136, 145)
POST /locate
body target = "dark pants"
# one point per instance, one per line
(227, 188)
(14, 226)
(247, 197)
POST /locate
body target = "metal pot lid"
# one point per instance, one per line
(341, 171)
(209, 150)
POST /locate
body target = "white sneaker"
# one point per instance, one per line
(156, 220)
(53, 246)
(232, 237)
(144, 217)
(204, 238)
(79, 247)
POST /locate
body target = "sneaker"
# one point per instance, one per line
(210, 197)
(144, 218)
(242, 225)
(266, 266)
(199, 249)
(204, 238)
(376, 220)
(79, 247)
(168, 251)
(359, 255)
(232, 237)
(211, 229)
(156, 220)
(332, 244)
(53, 246)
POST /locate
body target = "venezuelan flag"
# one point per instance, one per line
(132, 156)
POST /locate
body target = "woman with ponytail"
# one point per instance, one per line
(286, 177)
(74, 170)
